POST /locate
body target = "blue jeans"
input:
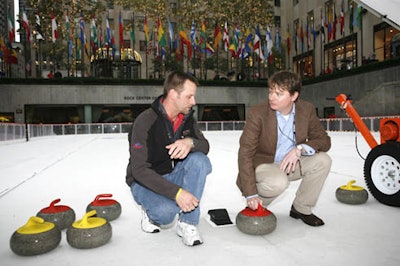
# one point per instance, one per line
(190, 174)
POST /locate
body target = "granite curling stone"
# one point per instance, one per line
(62, 216)
(256, 222)
(351, 194)
(109, 209)
(35, 237)
(90, 232)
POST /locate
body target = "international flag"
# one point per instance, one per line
(171, 35)
(93, 33)
(193, 35)
(185, 41)
(217, 36)
(357, 21)
(322, 30)
(8, 54)
(149, 45)
(121, 30)
(288, 40)
(257, 44)
(277, 41)
(209, 49)
(270, 43)
(308, 35)
(25, 24)
(226, 37)
(11, 27)
(248, 42)
(203, 36)
(233, 47)
(301, 36)
(39, 34)
(162, 41)
(108, 33)
(243, 53)
(334, 23)
(54, 32)
(183, 35)
(67, 34)
(342, 18)
(146, 29)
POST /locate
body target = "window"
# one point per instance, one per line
(383, 34)
(304, 65)
(142, 46)
(277, 21)
(341, 54)
(111, 23)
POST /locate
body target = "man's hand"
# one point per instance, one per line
(180, 148)
(254, 202)
(187, 201)
(288, 163)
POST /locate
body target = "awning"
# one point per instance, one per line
(387, 10)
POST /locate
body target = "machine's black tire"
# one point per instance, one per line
(382, 173)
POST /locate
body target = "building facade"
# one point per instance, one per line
(333, 35)
(311, 37)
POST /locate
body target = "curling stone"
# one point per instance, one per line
(256, 222)
(62, 216)
(106, 208)
(35, 237)
(350, 194)
(90, 232)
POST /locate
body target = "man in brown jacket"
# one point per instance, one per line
(283, 140)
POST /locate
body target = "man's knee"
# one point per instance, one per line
(272, 189)
(323, 160)
(200, 160)
(163, 214)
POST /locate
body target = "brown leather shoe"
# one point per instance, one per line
(310, 219)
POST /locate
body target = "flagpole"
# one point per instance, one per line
(147, 72)
(40, 59)
(54, 58)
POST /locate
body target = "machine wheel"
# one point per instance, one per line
(382, 173)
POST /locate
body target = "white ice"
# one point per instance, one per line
(78, 168)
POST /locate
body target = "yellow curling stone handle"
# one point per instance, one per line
(89, 222)
(349, 186)
(35, 225)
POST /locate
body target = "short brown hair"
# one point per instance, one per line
(175, 81)
(286, 80)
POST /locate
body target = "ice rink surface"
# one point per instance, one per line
(78, 168)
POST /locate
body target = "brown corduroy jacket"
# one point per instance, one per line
(260, 134)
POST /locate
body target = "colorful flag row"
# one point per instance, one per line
(237, 46)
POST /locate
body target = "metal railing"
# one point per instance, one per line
(12, 131)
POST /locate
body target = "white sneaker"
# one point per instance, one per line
(189, 233)
(147, 225)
